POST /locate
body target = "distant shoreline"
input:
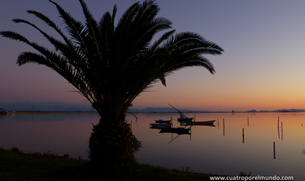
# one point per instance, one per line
(94, 112)
(137, 112)
(49, 112)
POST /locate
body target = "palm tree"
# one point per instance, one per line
(111, 65)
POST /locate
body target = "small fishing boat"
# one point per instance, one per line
(163, 121)
(183, 118)
(160, 125)
(205, 123)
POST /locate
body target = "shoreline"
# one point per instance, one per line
(144, 112)
(95, 112)
(47, 112)
(52, 167)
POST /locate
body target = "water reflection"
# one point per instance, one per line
(179, 130)
(220, 150)
(60, 134)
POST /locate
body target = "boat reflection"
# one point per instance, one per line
(179, 130)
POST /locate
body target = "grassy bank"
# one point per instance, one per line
(18, 166)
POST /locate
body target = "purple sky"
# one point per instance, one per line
(262, 66)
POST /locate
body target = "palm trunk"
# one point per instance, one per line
(111, 146)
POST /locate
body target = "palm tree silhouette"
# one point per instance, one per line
(112, 64)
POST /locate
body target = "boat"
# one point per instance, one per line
(160, 125)
(205, 123)
(163, 121)
(178, 130)
(183, 118)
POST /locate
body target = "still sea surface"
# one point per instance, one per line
(257, 143)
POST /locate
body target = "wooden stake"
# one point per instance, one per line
(273, 150)
(243, 135)
(282, 130)
(223, 123)
(278, 127)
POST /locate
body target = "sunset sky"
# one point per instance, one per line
(262, 67)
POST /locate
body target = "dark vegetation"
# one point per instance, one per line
(15, 165)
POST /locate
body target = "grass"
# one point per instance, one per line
(15, 165)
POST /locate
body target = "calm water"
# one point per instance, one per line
(221, 149)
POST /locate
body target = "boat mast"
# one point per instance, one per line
(178, 110)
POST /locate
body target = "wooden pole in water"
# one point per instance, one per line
(223, 128)
(218, 123)
(282, 130)
(278, 127)
(273, 150)
(243, 135)
(247, 121)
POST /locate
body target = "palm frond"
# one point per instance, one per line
(74, 27)
(124, 23)
(146, 13)
(14, 36)
(57, 44)
(164, 37)
(61, 67)
(114, 10)
(92, 29)
(53, 25)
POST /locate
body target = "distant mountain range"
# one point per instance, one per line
(44, 106)
(168, 109)
(163, 109)
(59, 106)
